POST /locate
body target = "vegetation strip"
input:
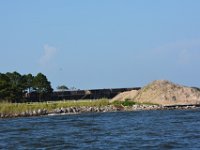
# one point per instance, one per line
(44, 108)
(10, 110)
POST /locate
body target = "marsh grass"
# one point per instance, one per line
(128, 102)
(124, 103)
(15, 108)
(149, 103)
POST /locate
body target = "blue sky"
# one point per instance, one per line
(102, 43)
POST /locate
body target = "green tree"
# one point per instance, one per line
(4, 87)
(29, 82)
(62, 88)
(42, 86)
(17, 86)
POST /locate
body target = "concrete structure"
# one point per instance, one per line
(82, 94)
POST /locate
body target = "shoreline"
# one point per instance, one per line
(93, 109)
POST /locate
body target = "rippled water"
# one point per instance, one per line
(121, 130)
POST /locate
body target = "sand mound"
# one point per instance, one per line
(167, 93)
(125, 95)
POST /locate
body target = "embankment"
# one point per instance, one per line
(9, 110)
(69, 110)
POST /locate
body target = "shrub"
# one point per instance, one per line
(127, 102)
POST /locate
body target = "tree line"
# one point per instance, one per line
(14, 87)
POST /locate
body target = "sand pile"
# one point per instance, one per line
(125, 96)
(167, 93)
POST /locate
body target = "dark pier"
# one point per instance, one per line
(90, 94)
(82, 94)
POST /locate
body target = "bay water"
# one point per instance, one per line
(160, 129)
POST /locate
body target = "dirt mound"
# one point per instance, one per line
(125, 95)
(167, 93)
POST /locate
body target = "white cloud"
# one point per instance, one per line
(49, 54)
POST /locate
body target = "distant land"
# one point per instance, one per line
(158, 95)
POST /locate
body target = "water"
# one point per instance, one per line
(171, 129)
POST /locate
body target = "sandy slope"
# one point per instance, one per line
(165, 93)
(125, 96)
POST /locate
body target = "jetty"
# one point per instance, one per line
(91, 94)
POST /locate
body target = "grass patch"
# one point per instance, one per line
(149, 103)
(124, 103)
(127, 102)
(16, 108)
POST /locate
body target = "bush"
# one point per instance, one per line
(127, 102)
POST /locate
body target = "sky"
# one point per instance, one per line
(91, 44)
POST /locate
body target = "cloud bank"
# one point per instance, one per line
(48, 55)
